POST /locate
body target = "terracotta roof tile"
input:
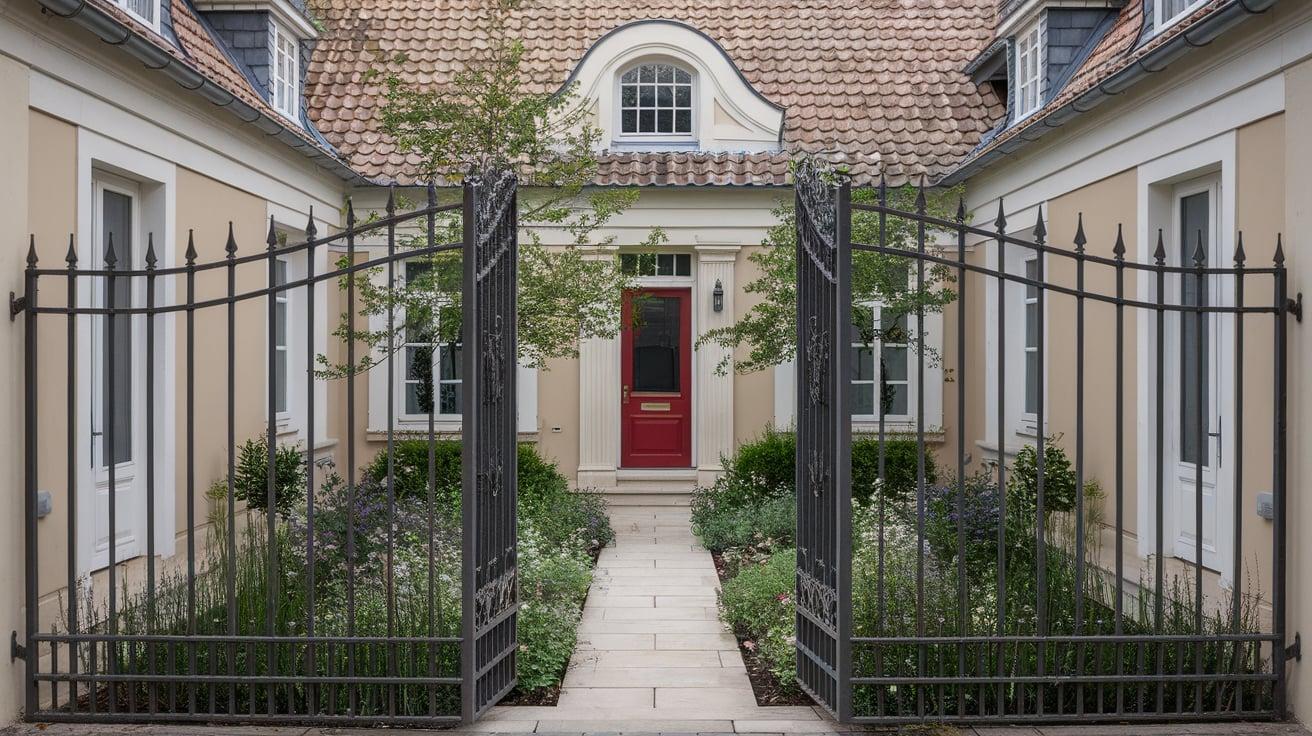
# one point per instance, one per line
(878, 83)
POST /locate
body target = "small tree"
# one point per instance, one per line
(486, 119)
(768, 330)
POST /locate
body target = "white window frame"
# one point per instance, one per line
(1161, 22)
(150, 22)
(284, 70)
(877, 350)
(1019, 426)
(284, 297)
(1029, 344)
(694, 101)
(1029, 48)
(402, 380)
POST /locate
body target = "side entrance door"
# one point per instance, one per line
(656, 374)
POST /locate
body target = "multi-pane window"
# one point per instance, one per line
(281, 364)
(1032, 358)
(147, 11)
(656, 99)
(656, 264)
(429, 366)
(1029, 69)
(890, 377)
(1169, 11)
(284, 70)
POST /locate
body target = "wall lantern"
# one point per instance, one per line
(717, 297)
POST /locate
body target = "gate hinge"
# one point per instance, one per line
(16, 651)
(1295, 307)
(16, 305)
(1295, 651)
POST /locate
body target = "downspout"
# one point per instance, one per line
(1155, 61)
(116, 33)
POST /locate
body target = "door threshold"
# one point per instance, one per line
(656, 474)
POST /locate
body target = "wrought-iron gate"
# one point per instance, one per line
(1000, 584)
(177, 574)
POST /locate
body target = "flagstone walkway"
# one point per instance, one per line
(652, 654)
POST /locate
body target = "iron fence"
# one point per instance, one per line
(1008, 590)
(325, 596)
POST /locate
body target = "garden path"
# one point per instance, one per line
(652, 654)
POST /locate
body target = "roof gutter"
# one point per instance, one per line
(114, 32)
(1202, 34)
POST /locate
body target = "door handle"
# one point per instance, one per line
(624, 394)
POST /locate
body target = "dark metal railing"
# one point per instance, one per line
(266, 611)
(970, 598)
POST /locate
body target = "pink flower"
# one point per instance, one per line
(749, 645)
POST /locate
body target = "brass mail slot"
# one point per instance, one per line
(655, 406)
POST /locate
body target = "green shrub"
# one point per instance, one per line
(250, 481)
(720, 526)
(758, 605)
(900, 468)
(1058, 479)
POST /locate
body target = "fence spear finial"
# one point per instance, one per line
(1280, 250)
(920, 195)
(1040, 230)
(191, 247)
(883, 188)
(1118, 250)
(71, 257)
(310, 229)
(350, 214)
(391, 200)
(1159, 255)
(961, 209)
(31, 250)
(272, 239)
(151, 260)
(1080, 239)
(432, 195)
(231, 247)
(1240, 255)
(1001, 222)
(1200, 255)
(110, 257)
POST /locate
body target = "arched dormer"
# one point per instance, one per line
(659, 85)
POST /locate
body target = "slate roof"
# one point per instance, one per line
(878, 83)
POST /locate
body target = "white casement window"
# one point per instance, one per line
(281, 361)
(882, 371)
(430, 371)
(1167, 12)
(656, 101)
(1033, 361)
(146, 11)
(284, 70)
(1029, 69)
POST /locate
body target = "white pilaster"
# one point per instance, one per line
(713, 400)
(599, 408)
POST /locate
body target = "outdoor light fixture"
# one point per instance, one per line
(717, 297)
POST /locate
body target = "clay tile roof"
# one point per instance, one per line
(877, 83)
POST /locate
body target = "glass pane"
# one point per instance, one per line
(415, 270)
(893, 327)
(1032, 325)
(683, 96)
(683, 265)
(895, 364)
(450, 363)
(280, 323)
(682, 121)
(449, 399)
(628, 95)
(863, 399)
(863, 363)
(656, 344)
(665, 264)
(647, 97)
(648, 73)
(1194, 218)
(280, 380)
(665, 96)
(419, 363)
(895, 398)
(628, 264)
(117, 222)
(682, 77)
(629, 121)
(417, 398)
(1032, 273)
(647, 121)
(664, 73)
(665, 122)
(630, 76)
(1031, 381)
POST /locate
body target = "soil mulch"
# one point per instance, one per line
(540, 696)
(768, 688)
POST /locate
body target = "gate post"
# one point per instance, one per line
(824, 436)
(489, 483)
(31, 621)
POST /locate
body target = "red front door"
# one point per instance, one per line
(656, 394)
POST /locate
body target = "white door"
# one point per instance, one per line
(1195, 428)
(115, 375)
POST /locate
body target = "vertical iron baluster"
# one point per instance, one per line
(190, 449)
(470, 497)
(1202, 374)
(231, 564)
(1279, 477)
(350, 456)
(1080, 241)
(1118, 252)
(883, 488)
(311, 437)
(72, 470)
(1159, 266)
(922, 652)
(1001, 405)
(963, 613)
(435, 627)
(1040, 517)
(30, 429)
(111, 410)
(150, 461)
(1236, 575)
(271, 460)
(841, 504)
(389, 580)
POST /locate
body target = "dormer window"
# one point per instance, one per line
(1029, 69)
(284, 70)
(656, 101)
(1169, 11)
(146, 11)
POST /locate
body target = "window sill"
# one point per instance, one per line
(868, 429)
(444, 430)
(655, 144)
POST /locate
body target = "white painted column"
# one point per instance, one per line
(713, 397)
(599, 409)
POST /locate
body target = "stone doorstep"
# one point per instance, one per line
(598, 625)
(657, 677)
